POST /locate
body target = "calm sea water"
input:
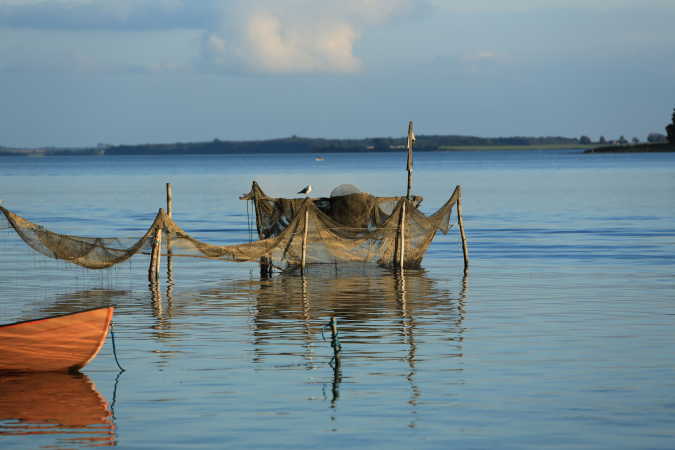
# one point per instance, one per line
(562, 334)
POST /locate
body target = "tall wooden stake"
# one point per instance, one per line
(401, 241)
(169, 200)
(169, 251)
(158, 259)
(155, 255)
(304, 242)
(265, 261)
(465, 248)
(409, 165)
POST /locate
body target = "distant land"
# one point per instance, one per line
(295, 144)
(633, 148)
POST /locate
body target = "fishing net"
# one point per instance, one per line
(90, 252)
(356, 227)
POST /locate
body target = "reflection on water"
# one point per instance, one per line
(156, 295)
(355, 295)
(75, 301)
(358, 299)
(336, 361)
(373, 307)
(380, 315)
(55, 403)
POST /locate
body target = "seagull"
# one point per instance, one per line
(306, 190)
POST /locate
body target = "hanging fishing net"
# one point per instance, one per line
(350, 226)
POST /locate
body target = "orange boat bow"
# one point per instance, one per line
(58, 343)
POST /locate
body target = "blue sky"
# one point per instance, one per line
(82, 72)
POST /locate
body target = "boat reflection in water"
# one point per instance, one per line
(66, 404)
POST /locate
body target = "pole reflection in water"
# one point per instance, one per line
(162, 326)
(369, 302)
(156, 299)
(170, 284)
(307, 324)
(408, 335)
(461, 301)
(335, 363)
(55, 403)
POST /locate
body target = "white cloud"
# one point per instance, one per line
(268, 43)
(273, 45)
(294, 35)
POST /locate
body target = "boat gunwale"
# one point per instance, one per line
(21, 322)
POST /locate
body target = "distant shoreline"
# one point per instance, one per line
(319, 147)
(478, 148)
(316, 146)
(38, 153)
(635, 148)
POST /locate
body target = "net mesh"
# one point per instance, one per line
(356, 227)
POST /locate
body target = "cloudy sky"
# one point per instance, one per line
(82, 72)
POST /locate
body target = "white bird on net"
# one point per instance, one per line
(306, 190)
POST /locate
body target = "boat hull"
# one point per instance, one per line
(54, 344)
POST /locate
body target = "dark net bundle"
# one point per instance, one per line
(355, 212)
(354, 227)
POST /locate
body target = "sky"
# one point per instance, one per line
(84, 72)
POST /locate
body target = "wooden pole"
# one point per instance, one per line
(156, 252)
(169, 252)
(409, 165)
(265, 261)
(304, 241)
(402, 237)
(158, 259)
(407, 193)
(465, 248)
(169, 200)
(153, 270)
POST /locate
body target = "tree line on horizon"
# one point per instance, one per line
(295, 144)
